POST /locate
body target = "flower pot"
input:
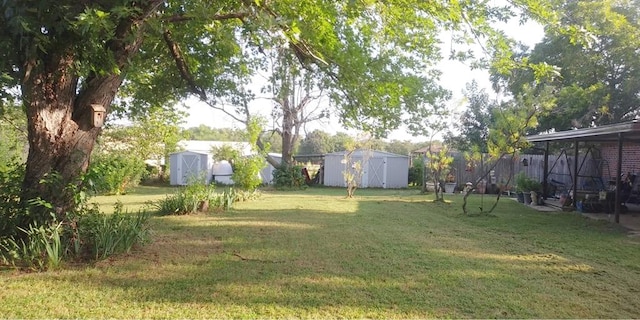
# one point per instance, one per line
(527, 197)
(449, 187)
(534, 198)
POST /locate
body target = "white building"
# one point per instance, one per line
(380, 169)
(196, 163)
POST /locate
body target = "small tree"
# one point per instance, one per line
(354, 169)
(513, 121)
(439, 165)
(352, 173)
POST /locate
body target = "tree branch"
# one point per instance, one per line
(176, 53)
(216, 17)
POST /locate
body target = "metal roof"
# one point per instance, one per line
(371, 153)
(607, 133)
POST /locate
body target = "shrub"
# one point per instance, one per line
(416, 172)
(288, 177)
(246, 172)
(82, 234)
(11, 176)
(115, 173)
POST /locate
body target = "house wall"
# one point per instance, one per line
(630, 158)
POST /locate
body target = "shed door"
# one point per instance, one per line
(190, 166)
(376, 172)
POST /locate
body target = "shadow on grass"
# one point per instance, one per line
(389, 258)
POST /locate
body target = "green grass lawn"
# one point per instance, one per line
(315, 254)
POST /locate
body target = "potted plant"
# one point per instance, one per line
(521, 183)
(450, 183)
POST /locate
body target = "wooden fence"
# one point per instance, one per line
(503, 173)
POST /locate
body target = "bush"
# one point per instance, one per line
(115, 174)
(524, 183)
(416, 172)
(11, 176)
(82, 234)
(246, 172)
(288, 177)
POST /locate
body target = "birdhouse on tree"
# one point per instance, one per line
(98, 113)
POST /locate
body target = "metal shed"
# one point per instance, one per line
(381, 169)
(188, 165)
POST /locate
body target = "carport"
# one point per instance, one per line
(620, 133)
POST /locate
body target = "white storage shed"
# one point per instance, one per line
(187, 166)
(267, 172)
(381, 169)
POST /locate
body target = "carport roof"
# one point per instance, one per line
(607, 133)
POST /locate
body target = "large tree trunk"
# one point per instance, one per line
(61, 134)
(288, 121)
(59, 113)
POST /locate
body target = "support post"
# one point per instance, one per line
(575, 174)
(545, 176)
(618, 179)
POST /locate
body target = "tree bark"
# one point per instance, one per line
(61, 134)
(58, 106)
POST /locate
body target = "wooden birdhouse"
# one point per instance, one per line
(98, 113)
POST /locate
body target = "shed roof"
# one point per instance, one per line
(374, 154)
(207, 146)
(629, 130)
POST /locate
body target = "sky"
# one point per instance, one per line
(455, 76)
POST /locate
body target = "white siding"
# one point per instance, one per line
(397, 172)
(188, 165)
(382, 170)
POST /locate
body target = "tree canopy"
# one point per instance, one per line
(597, 65)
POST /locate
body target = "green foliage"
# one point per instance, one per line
(592, 58)
(526, 184)
(195, 197)
(246, 172)
(226, 152)
(38, 248)
(416, 172)
(104, 235)
(85, 235)
(289, 177)
(13, 134)
(439, 166)
(204, 132)
(473, 125)
(513, 120)
(11, 211)
(202, 198)
(115, 173)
